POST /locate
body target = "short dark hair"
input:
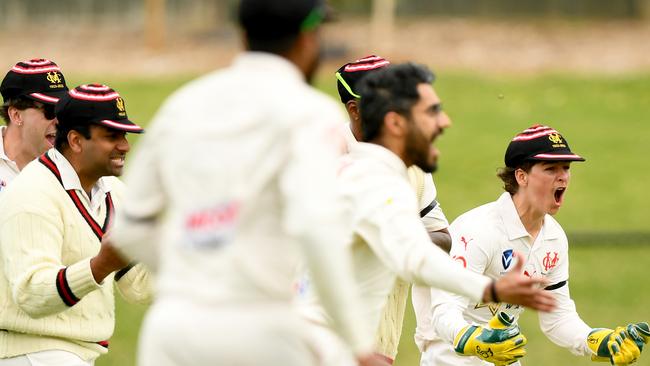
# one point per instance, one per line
(391, 89)
(273, 26)
(21, 103)
(507, 175)
(62, 130)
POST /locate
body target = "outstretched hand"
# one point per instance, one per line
(516, 288)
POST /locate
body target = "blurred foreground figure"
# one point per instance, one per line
(56, 282)
(233, 184)
(536, 178)
(30, 91)
(400, 120)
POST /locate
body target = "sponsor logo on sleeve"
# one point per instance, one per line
(212, 227)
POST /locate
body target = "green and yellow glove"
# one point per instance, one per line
(640, 333)
(500, 343)
(617, 346)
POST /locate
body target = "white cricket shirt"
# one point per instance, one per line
(389, 239)
(483, 240)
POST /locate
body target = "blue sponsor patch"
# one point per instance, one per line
(506, 258)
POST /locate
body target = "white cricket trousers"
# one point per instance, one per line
(176, 333)
(439, 353)
(46, 358)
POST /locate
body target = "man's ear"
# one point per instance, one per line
(75, 140)
(14, 116)
(522, 177)
(395, 124)
(353, 110)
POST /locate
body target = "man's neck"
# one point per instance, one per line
(356, 131)
(14, 148)
(393, 145)
(87, 179)
(531, 219)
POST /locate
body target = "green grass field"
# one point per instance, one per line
(603, 118)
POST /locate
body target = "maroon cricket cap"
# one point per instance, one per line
(37, 79)
(348, 75)
(95, 103)
(538, 143)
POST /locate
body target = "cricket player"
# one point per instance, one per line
(56, 285)
(233, 184)
(399, 119)
(390, 329)
(30, 91)
(536, 178)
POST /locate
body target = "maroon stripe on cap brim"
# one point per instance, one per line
(132, 127)
(558, 157)
(366, 66)
(49, 98)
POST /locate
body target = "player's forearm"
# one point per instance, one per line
(442, 239)
(564, 326)
(439, 270)
(447, 317)
(41, 285)
(50, 289)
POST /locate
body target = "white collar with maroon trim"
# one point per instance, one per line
(70, 180)
(99, 228)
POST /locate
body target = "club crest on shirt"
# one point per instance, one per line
(550, 261)
(506, 258)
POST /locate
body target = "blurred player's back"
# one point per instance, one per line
(233, 182)
(236, 180)
(229, 186)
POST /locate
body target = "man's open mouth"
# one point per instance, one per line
(559, 192)
(50, 137)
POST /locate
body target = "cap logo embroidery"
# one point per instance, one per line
(55, 79)
(555, 138)
(119, 103)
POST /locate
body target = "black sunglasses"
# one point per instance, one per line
(48, 111)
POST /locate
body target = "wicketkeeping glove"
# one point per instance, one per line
(500, 342)
(639, 332)
(615, 346)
